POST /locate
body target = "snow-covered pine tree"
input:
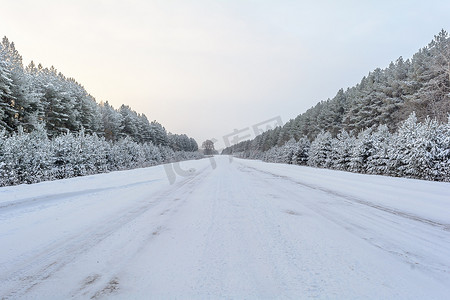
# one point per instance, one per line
(159, 134)
(433, 97)
(402, 147)
(57, 103)
(32, 87)
(152, 154)
(111, 121)
(362, 150)
(286, 152)
(441, 153)
(301, 150)
(422, 149)
(167, 154)
(319, 150)
(63, 145)
(130, 123)
(7, 110)
(344, 149)
(377, 163)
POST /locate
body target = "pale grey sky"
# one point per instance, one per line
(205, 68)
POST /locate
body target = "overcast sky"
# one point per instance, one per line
(205, 68)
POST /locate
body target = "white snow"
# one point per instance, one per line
(243, 230)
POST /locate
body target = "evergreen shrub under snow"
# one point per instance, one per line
(417, 150)
(33, 157)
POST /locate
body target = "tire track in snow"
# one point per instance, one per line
(358, 200)
(24, 277)
(45, 199)
(370, 225)
(243, 232)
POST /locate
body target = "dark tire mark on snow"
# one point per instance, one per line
(111, 287)
(90, 280)
(86, 283)
(158, 231)
(291, 212)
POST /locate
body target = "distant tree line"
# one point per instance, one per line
(417, 150)
(51, 128)
(344, 132)
(34, 94)
(34, 157)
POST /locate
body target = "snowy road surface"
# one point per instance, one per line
(245, 229)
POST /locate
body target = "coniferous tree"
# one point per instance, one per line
(300, 156)
(377, 162)
(112, 122)
(344, 149)
(362, 150)
(7, 110)
(319, 150)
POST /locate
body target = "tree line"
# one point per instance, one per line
(33, 94)
(379, 105)
(51, 128)
(34, 157)
(416, 150)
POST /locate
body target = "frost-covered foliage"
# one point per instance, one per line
(417, 150)
(33, 157)
(362, 150)
(301, 150)
(52, 128)
(385, 96)
(366, 128)
(342, 151)
(377, 163)
(33, 95)
(293, 152)
(25, 158)
(422, 150)
(319, 153)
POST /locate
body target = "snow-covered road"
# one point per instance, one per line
(245, 229)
